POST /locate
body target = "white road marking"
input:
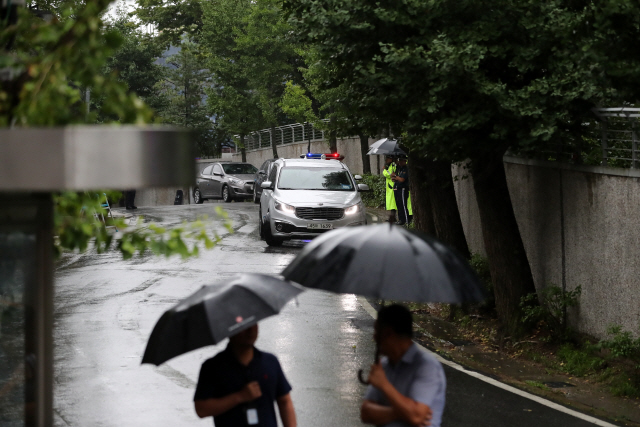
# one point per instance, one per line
(372, 312)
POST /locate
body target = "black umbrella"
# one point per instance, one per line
(216, 312)
(388, 262)
(386, 146)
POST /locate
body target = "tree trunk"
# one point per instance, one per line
(446, 216)
(508, 264)
(333, 138)
(273, 142)
(364, 147)
(243, 150)
(420, 201)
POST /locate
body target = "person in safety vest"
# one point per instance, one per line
(388, 172)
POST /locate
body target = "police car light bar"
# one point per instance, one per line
(326, 156)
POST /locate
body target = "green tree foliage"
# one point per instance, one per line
(296, 104)
(171, 20)
(251, 57)
(471, 79)
(270, 55)
(231, 98)
(50, 61)
(45, 64)
(183, 88)
(134, 62)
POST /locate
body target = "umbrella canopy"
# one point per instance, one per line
(216, 312)
(387, 262)
(386, 146)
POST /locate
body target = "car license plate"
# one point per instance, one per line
(320, 226)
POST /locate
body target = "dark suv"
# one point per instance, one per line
(226, 181)
(260, 177)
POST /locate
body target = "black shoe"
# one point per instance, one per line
(400, 223)
(131, 207)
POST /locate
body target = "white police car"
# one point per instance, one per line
(304, 197)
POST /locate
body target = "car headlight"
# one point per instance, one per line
(352, 209)
(235, 181)
(283, 207)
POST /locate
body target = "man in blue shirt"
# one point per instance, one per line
(408, 386)
(239, 385)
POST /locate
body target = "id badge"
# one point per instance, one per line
(252, 417)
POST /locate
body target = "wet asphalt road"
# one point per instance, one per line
(106, 308)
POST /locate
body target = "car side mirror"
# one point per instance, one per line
(358, 177)
(363, 187)
(262, 173)
(267, 185)
(217, 174)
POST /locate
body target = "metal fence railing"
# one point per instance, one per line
(286, 134)
(619, 136)
(613, 141)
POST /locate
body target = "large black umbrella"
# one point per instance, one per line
(388, 262)
(386, 146)
(216, 312)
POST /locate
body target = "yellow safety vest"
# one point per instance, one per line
(391, 199)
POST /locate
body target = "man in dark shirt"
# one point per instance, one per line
(401, 190)
(239, 385)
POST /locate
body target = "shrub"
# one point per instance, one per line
(622, 343)
(579, 361)
(480, 265)
(553, 303)
(376, 198)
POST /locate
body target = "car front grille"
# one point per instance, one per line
(320, 213)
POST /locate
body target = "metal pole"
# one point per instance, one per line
(634, 145)
(604, 142)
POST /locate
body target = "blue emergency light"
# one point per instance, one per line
(325, 156)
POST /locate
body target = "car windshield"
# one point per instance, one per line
(239, 169)
(314, 179)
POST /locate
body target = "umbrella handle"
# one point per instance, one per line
(360, 377)
(361, 371)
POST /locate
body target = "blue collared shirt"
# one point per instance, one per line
(419, 376)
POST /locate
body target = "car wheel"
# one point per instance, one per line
(256, 199)
(226, 195)
(197, 196)
(260, 225)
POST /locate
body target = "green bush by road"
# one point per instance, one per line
(376, 197)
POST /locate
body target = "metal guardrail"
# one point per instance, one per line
(619, 136)
(283, 135)
(613, 143)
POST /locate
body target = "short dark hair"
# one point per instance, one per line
(398, 318)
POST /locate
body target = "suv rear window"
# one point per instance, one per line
(292, 178)
(239, 168)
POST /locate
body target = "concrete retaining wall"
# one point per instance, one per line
(594, 211)
(160, 196)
